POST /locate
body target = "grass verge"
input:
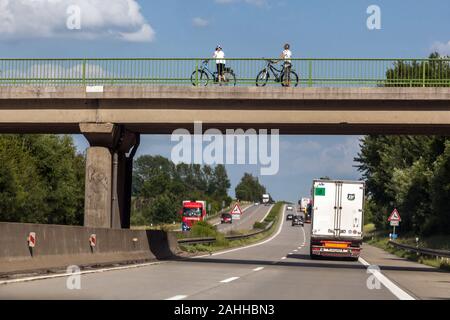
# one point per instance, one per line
(204, 229)
(382, 242)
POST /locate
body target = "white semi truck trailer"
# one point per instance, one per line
(337, 218)
(266, 199)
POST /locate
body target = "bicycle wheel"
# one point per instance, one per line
(199, 78)
(230, 78)
(292, 80)
(262, 78)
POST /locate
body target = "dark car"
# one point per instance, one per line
(289, 216)
(297, 221)
(226, 218)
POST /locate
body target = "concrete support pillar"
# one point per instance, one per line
(108, 175)
(98, 187)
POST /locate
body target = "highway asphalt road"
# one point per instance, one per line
(249, 216)
(277, 268)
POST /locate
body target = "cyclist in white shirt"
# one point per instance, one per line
(219, 55)
(286, 55)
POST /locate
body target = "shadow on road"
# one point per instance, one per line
(304, 262)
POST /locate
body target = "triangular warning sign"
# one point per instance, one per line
(395, 216)
(236, 209)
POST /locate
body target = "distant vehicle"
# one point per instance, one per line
(297, 220)
(289, 208)
(191, 213)
(308, 213)
(266, 199)
(337, 218)
(304, 203)
(256, 203)
(290, 216)
(226, 218)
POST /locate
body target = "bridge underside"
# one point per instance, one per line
(112, 119)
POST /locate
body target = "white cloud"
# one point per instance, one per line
(200, 22)
(121, 19)
(441, 47)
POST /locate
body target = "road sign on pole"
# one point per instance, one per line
(236, 212)
(395, 216)
(394, 219)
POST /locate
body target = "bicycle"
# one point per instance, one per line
(202, 76)
(279, 75)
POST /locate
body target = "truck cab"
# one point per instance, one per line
(191, 213)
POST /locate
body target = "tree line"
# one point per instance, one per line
(160, 186)
(41, 179)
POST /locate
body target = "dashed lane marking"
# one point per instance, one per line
(178, 297)
(229, 279)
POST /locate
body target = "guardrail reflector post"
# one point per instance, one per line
(93, 240)
(31, 239)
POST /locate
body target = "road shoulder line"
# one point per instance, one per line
(280, 227)
(392, 287)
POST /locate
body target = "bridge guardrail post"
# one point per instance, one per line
(83, 75)
(424, 74)
(310, 82)
(196, 72)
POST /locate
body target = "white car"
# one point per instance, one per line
(256, 203)
(289, 208)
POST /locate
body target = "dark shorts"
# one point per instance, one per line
(220, 68)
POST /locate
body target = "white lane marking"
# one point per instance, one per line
(280, 227)
(265, 216)
(392, 287)
(290, 253)
(258, 269)
(229, 279)
(304, 237)
(178, 297)
(283, 258)
(295, 250)
(60, 275)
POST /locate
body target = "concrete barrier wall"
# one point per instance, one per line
(60, 246)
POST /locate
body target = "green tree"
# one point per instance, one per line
(156, 181)
(249, 188)
(41, 180)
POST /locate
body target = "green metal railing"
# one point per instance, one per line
(185, 71)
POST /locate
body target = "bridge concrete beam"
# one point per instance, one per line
(161, 109)
(108, 174)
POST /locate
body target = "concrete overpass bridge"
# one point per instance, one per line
(113, 101)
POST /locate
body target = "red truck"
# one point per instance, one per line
(192, 212)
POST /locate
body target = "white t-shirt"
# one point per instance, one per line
(219, 56)
(287, 54)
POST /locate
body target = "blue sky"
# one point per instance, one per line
(245, 28)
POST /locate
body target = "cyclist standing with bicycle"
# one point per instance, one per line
(286, 55)
(219, 55)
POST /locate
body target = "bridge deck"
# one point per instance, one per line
(161, 109)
